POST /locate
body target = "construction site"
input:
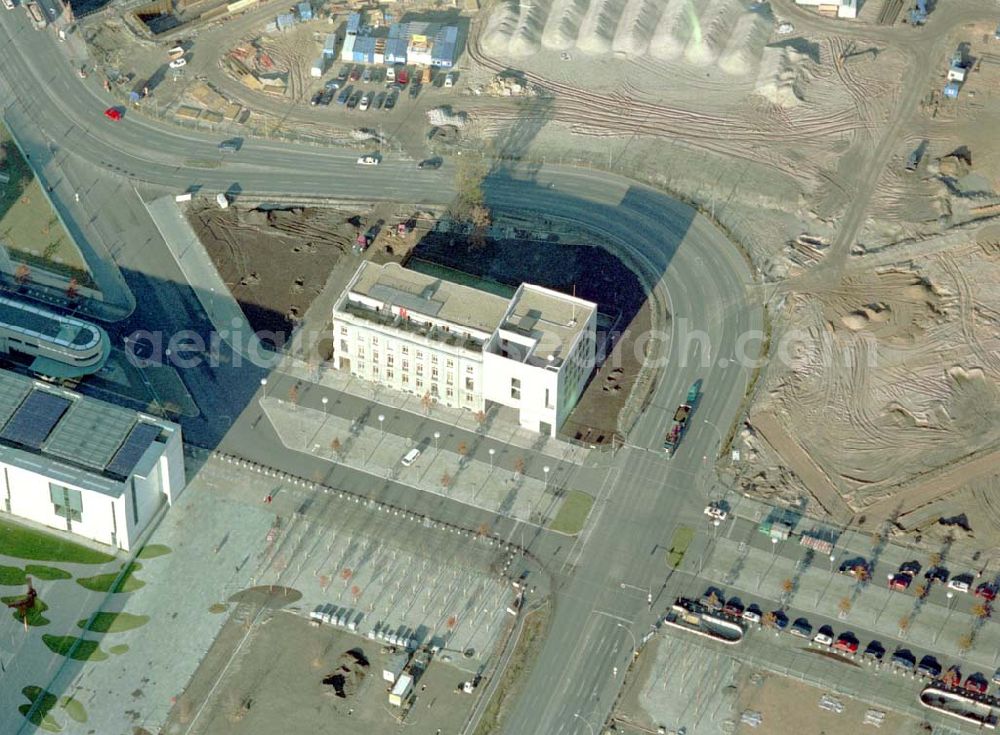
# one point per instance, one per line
(851, 160)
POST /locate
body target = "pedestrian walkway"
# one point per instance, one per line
(438, 471)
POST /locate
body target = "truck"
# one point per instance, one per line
(36, 15)
(681, 416)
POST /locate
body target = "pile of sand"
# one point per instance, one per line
(563, 24)
(780, 77)
(597, 30)
(748, 37)
(675, 27)
(636, 27)
(500, 27)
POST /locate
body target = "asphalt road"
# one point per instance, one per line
(642, 496)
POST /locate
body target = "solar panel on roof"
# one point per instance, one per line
(34, 420)
(132, 449)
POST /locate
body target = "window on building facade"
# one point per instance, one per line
(469, 369)
(405, 350)
(451, 379)
(434, 359)
(66, 503)
(375, 355)
(343, 330)
(420, 369)
(343, 346)
(374, 339)
(450, 392)
(388, 373)
(451, 363)
(406, 365)
(468, 398)
(361, 350)
(389, 359)
(434, 373)
(405, 379)
(419, 383)
(374, 371)
(515, 388)
(470, 384)
(434, 390)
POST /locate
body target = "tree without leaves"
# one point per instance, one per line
(713, 600)
(293, 394)
(981, 610)
(426, 402)
(346, 574)
(446, 480)
(844, 605)
(965, 642)
(22, 274)
(519, 465)
(922, 590)
(787, 585)
(72, 289)
(324, 581)
(335, 445)
(463, 449)
(355, 593)
(904, 624)
(480, 417)
(483, 530)
(769, 620)
(935, 559)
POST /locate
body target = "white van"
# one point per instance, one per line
(411, 457)
(390, 75)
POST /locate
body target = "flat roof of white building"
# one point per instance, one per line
(62, 434)
(553, 319)
(420, 294)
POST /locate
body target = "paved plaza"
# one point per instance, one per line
(222, 538)
(439, 470)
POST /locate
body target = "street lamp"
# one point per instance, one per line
(437, 435)
(325, 401)
(715, 529)
(951, 596)
(545, 469)
(635, 644)
(492, 452)
(381, 418)
(774, 547)
(832, 560)
(263, 386)
(585, 722)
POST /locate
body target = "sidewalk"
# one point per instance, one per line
(436, 471)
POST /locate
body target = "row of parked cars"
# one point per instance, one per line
(903, 577)
(846, 643)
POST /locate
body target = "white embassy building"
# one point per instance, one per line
(467, 348)
(85, 466)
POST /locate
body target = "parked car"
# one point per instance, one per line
(734, 607)
(780, 619)
(846, 643)
(874, 650)
(411, 456)
(823, 639)
(929, 666)
(355, 74)
(366, 75)
(902, 658)
(960, 583)
(937, 574)
(857, 567)
(378, 101)
(716, 512)
(449, 80)
(345, 72)
(900, 581)
(354, 100)
(976, 683)
(113, 113)
(429, 164)
(369, 159)
(752, 614)
(316, 98)
(801, 628)
(415, 90)
(987, 591)
(345, 94)
(178, 63)
(910, 567)
(366, 101)
(996, 677)
(232, 145)
(390, 101)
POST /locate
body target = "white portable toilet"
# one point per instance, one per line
(222, 200)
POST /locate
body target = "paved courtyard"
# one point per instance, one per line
(221, 539)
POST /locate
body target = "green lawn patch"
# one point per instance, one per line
(85, 651)
(35, 616)
(572, 513)
(74, 708)
(27, 543)
(151, 551)
(109, 622)
(38, 571)
(119, 649)
(40, 717)
(12, 576)
(111, 582)
(678, 545)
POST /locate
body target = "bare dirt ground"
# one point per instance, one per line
(275, 263)
(276, 684)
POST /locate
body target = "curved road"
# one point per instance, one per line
(642, 496)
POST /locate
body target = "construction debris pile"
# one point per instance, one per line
(440, 116)
(511, 85)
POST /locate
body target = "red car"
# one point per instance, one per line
(987, 591)
(976, 683)
(847, 645)
(900, 581)
(113, 113)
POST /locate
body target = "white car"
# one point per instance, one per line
(822, 639)
(365, 102)
(411, 457)
(958, 584)
(716, 513)
(178, 63)
(368, 160)
(784, 28)
(751, 616)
